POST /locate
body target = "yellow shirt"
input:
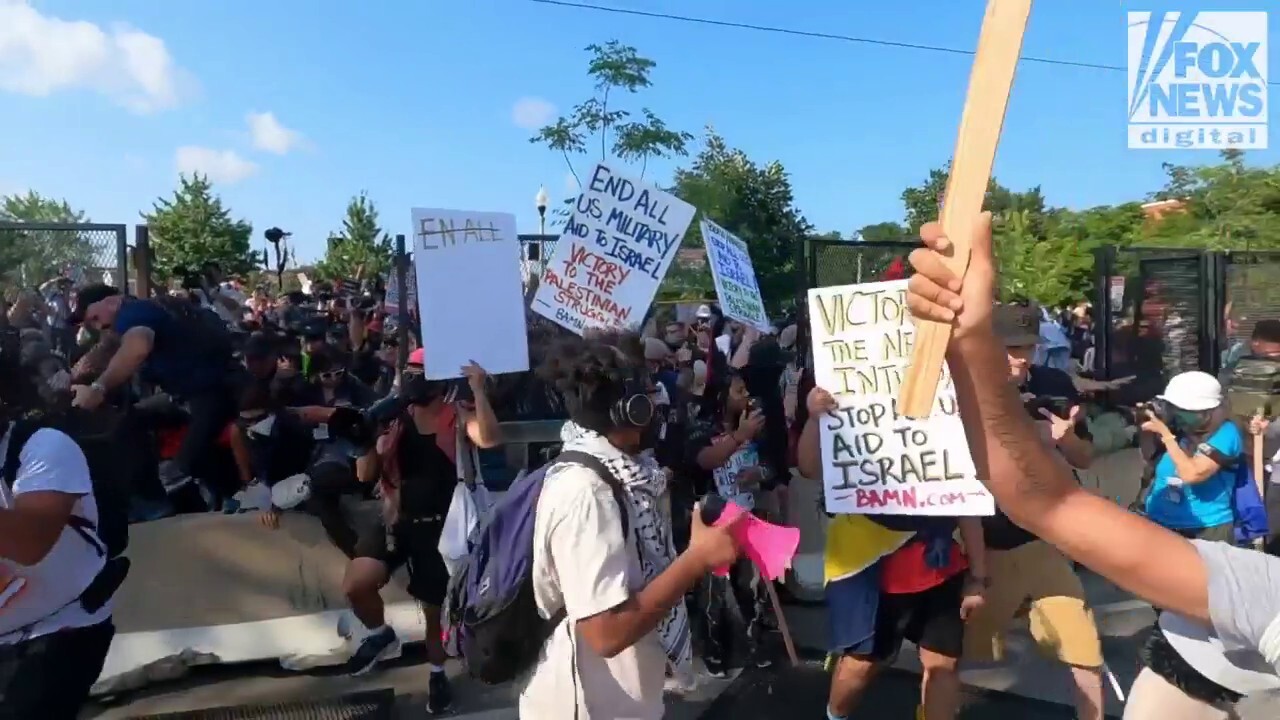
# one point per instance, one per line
(855, 543)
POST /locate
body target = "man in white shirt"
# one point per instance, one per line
(607, 660)
(51, 648)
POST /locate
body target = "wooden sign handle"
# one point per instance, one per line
(980, 125)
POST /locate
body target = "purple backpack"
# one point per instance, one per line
(490, 604)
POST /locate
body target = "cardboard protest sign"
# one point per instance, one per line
(734, 276)
(470, 300)
(876, 460)
(614, 251)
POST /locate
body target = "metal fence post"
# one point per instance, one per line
(122, 257)
(1213, 309)
(1104, 260)
(142, 260)
(402, 277)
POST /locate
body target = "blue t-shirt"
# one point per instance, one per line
(1179, 506)
(175, 363)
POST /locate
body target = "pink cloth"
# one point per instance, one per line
(769, 546)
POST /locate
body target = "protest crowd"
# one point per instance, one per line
(649, 547)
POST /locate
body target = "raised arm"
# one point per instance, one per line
(1030, 483)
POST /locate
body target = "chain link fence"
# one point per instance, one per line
(840, 262)
(535, 252)
(31, 253)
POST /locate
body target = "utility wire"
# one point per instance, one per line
(820, 35)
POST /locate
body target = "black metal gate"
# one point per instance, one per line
(31, 253)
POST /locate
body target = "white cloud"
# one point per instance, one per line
(532, 113)
(41, 55)
(270, 136)
(220, 166)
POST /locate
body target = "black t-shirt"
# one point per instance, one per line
(428, 476)
(998, 530)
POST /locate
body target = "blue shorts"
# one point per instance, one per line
(851, 612)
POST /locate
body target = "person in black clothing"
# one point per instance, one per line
(414, 464)
(332, 385)
(175, 346)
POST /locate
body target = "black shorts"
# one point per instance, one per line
(930, 619)
(414, 544)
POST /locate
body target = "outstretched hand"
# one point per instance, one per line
(942, 294)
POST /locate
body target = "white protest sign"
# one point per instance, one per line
(614, 251)
(874, 460)
(734, 276)
(470, 302)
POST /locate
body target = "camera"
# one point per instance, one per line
(1058, 406)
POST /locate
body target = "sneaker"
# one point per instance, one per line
(715, 667)
(439, 693)
(374, 647)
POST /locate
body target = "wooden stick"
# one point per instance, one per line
(980, 125)
(782, 622)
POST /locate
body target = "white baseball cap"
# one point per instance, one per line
(704, 312)
(1244, 671)
(1195, 391)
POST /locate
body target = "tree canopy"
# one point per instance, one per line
(1046, 254)
(634, 138)
(361, 249)
(754, 202)
(29, 256)
(193, 228)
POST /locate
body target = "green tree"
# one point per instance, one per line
(615, 69)
(28, 256)
(751, 201)
(923, 202)
(686, 282)
(883, 232)
(1228, 205)
(1053, 271)
(194, 227)
(361, 250)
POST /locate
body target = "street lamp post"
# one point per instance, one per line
(541, 200)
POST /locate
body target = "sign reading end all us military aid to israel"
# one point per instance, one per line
(1197, 80)
(875, 461)
(614, 252)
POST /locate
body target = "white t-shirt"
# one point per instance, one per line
(43, 598)
(581, 563)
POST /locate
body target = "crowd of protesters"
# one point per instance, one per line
(237, 401)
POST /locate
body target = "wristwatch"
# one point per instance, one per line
(98, 387)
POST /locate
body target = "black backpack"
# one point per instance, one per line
(203, 328)
(100, 434)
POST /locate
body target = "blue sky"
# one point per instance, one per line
(415, 101)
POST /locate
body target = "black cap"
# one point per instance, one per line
(87, 296)
(1017, 325)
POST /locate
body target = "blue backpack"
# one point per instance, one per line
(490, 604)
(1250, 509)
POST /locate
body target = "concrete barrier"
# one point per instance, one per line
(208, 589)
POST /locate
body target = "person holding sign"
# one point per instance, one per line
(1221, 603)
(726, 448)
(892, 578)
(1023, 567)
